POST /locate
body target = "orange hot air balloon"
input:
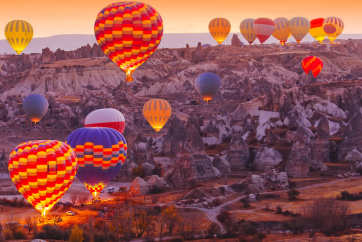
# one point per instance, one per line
(128, 33)
(219, 29)
(333, 27)
(316, 29)
(281, 32)
(313, 64)
(157, 112)
(247, 30)
(299, 27)
(42, 171)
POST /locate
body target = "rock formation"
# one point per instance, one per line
(320, 145)
(235, 41)
(299, 160)
(175, 135)
(237, 153)
(352, 137)
(221, 164)
(141, 150)
(266, 159)
(139, 187)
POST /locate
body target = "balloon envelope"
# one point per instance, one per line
(100, 152)
(316, 29)
(333, 27)
(312, 63)
(264, 28)
(19, 34)
(128, 33)
(281, 32)
(207, 85)
(157, 112)
(107, 117)
(42, 171)
(35, 107)
(299, 27)
(219, 29)
(247, 30)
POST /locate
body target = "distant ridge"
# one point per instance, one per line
(74, 41)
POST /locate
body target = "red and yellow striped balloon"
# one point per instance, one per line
(42, 171)
(316, 29)
(312, 63)
(128, 33)
(157, 112)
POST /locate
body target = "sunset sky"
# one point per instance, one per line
(187, 16)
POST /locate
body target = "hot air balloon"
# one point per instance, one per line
(207, 85)
(219, 29)
(281, 32)
(107, 117)
(42, 171)
(35, 107)
(333, 27)
(247, 30)
(128, 33)
(100, 152)
(299, 27)
(157, 112)
(263, 27)
(19, 34)
(316, 29)
(313, 64)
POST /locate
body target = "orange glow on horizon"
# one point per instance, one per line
(187, 16)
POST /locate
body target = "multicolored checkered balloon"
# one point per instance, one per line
(42, 171)
(100, 153)
(128, 33)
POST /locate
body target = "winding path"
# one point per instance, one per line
(212, 213)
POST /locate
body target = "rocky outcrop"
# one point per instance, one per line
(237, 153)
(175, 135)
(198, 55)
(218, 127)
(354, 156)
(221, 164)
(139, 187)
(147, 169)
(125, 174)
(187, 54)
(141, 150)
(191, 163)
(320, 145)
(299, 160)
(155, 182)
(235, 41)
(266, 159)
(352, 137)
(47, 56)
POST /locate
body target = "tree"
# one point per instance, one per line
(126, 225)
(293, 194)
(99, 223)
(83, 198)
(214, 229)
(74, 198)
(188, 226)
(171, 216)
(137, 171)
(142, 220)
(30, 223)
(122, 189)
(155, 198)
(161, 226)
(76, 235)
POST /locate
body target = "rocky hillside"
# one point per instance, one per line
(267, 115)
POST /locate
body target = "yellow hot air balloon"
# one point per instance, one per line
(281, 32)
(19, 34)
(247, 30)
(316, 29)
(333, 27)
(157, 112)
(299, 27)
(219, 29)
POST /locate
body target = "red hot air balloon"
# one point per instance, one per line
(313, 64)
(264, 28)
(106, 117)
(42, 171)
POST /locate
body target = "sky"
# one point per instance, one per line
(50, 18)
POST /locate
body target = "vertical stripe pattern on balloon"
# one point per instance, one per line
(299, 27)
(333, 27)
(281, 32)
(247, 30)
(219, 29)
(157, 112)
(19, 34)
